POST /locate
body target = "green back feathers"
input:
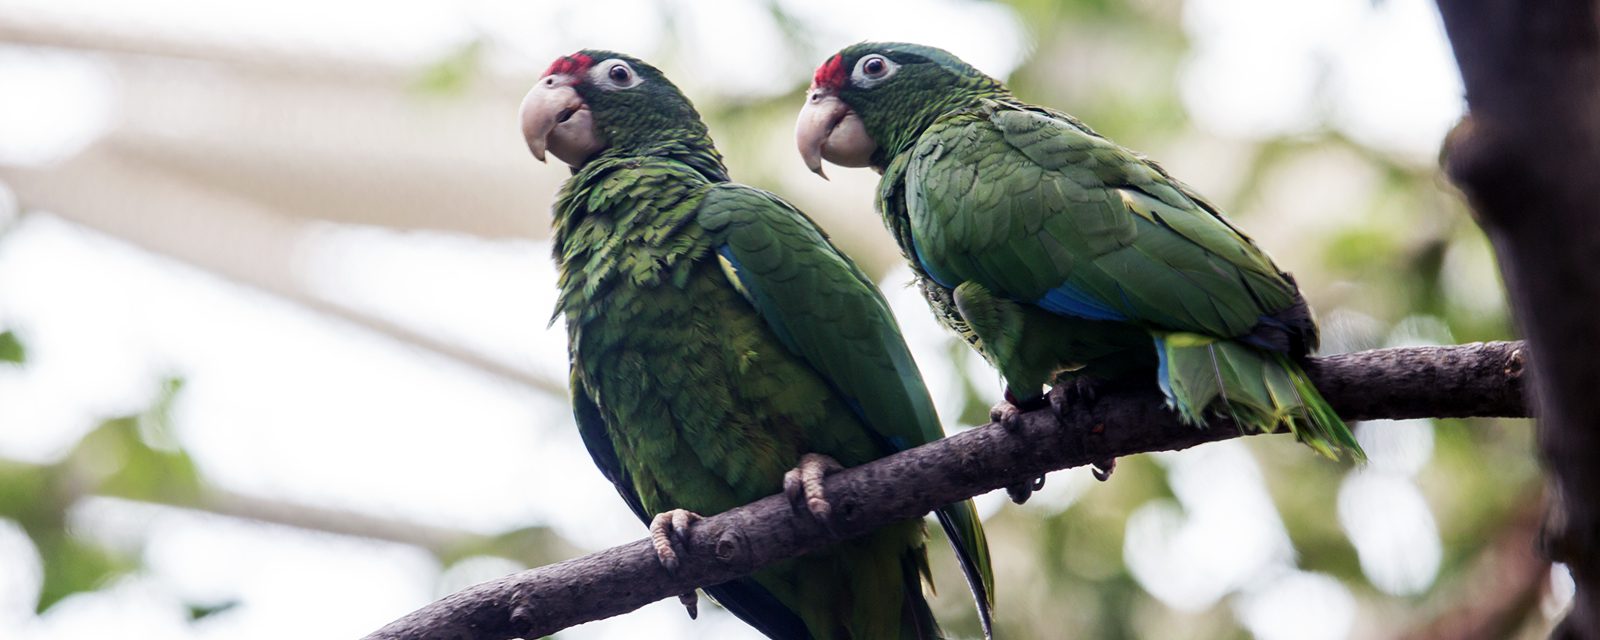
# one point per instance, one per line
(823, 308)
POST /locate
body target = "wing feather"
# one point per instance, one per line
(1037, 208)
(827, 311)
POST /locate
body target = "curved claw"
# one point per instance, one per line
(691, 603)
(1021, 492)
(667, 533)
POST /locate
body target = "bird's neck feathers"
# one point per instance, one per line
(905, 115)
(674, 131)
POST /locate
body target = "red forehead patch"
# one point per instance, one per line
(830, 74)
(572, 65)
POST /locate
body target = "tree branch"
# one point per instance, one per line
(1482, 379)
(1527, 157)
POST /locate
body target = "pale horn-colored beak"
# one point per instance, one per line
(829, 130)
(555, 118)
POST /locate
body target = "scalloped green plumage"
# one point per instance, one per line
(716, 336)
(1023, 208)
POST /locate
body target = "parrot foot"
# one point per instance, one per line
(1080, 393)
(667, 532)
(1007, 414)
(1077, 393)
(1019, 493)
(691, 603)
(803, 486)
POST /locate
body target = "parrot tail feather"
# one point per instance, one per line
(1260, 390)
(961, 525)
(917, 621)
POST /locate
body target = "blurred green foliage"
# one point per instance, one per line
(452, 74)
(112, 459)
(11, 350)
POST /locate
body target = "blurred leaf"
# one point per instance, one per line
(113, 459)
(125, 466)
(73, 565)
(155, 424)
(27, 496)
(532, 546)
(135, 457)
(1360, 248)
(11, 348)
(201, 611)
(453, 73)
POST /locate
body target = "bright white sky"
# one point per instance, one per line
(287, 403)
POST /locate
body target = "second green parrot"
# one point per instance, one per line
(1064, 258)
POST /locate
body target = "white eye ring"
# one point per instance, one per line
(614, 73)
(871, 70)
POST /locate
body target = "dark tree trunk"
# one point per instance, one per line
(1528, 159)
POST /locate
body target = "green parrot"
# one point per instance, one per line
(1063, 258)
(717, 340)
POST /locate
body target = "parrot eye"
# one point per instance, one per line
(615, 74)
(871, 70)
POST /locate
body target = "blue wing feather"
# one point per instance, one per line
(1072, 301)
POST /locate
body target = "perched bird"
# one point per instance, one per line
(1063, 258)
(718, 340)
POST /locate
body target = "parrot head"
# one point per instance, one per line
(870, 100)
(593, 101)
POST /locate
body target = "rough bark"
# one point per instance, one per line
(1468, 380)
(1528, 159)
